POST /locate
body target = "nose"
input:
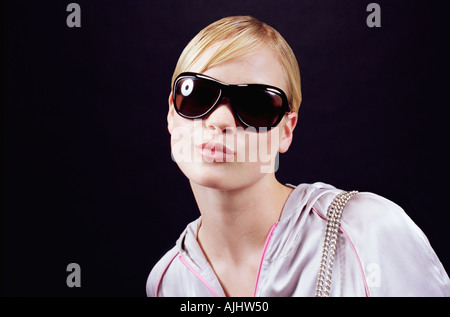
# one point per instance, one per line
(222, 118)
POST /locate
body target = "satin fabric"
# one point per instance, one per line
(380, 252)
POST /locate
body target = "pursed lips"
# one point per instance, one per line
(215, 151)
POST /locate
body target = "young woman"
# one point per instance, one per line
(233, 106)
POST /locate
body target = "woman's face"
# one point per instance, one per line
(216, 151)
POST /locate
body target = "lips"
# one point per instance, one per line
(214, 151)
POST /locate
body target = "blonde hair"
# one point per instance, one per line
(238, 35)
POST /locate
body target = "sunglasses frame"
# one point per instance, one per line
(223, 88)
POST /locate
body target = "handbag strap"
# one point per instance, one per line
(334, 214)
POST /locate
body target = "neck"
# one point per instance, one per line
(236, 222)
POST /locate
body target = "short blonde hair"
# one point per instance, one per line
(239, 35)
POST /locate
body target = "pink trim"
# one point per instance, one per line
(183, 260)
(318, 213)
(366, 287)
(164, 272)
(269, 236)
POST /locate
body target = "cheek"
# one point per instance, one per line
(269, 144)
(260, 146)
(183, 138)
(258, 151)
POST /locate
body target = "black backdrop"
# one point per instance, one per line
(88, 176)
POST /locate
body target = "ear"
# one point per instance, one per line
(170, 114)
(287, 131)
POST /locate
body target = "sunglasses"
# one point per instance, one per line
(254, 105)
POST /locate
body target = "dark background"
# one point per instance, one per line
(88, 176)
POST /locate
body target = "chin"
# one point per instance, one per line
(222, 176)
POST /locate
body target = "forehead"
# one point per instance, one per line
(258, 66)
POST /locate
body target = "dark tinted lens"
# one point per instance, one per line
(257, 107)
(195, 96)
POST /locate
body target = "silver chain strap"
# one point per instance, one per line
(329, 244)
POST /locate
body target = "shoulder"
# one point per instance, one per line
(369, 209)
(156, 274)
(372, 217)
(396, 254)
(169, 269)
